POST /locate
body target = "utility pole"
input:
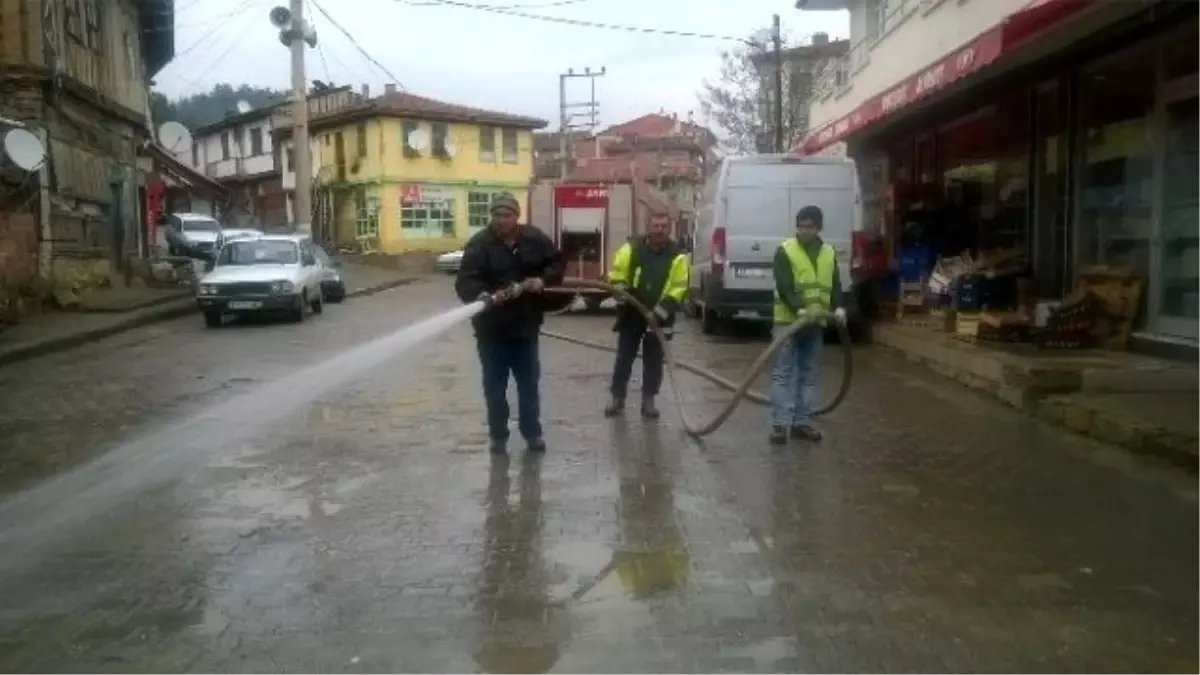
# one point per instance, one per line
(303, 149)
(777, 50)
(295, 33)
(564, 115)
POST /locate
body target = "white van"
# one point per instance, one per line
(747, 212)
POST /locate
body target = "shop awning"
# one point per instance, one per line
(1015, 30)
(168, 164)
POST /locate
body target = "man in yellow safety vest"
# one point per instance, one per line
(806, 278)
(655, 270)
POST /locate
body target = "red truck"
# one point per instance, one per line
(590, 221)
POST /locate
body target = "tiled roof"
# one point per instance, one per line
(653, 124)
(404, 104)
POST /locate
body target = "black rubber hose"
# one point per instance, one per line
(740, 390)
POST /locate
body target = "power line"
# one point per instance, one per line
(214, 64)
(585, 24)
(219, 23)
(532, 5)
(357, 46)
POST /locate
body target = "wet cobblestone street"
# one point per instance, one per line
(932, 530)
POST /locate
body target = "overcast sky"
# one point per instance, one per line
(476, 57)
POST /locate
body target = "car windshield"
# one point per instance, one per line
(200, 225)
(259, 253)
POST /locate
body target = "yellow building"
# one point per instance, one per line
(407, 173)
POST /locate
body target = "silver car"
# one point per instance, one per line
(272, 274)
(450, 262)
(194, 235)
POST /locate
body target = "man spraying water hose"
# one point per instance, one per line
(507, 266)
(806, 279)
(654, 269)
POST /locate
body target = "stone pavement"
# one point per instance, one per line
(113, 311)
(1112, 396)
(933, 530)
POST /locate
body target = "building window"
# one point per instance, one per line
(225, 145)
(407, 129)
(327, 139)
(360, 134)
(256, 142)
(195, 154)
(339, 155)
(487, 144)
(440, 140)
(83, 22)
(433, 219)
(1117, 163)
(290, 160)
(479, 209)
(366, 214)
(510, 146)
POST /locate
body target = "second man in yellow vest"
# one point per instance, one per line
(806, 279)
(654, 269)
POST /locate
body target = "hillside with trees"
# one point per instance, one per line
(202, 109)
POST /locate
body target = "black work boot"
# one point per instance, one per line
(805, 432)
(616, 406)
(649, 411)
(778, 435)
(498, 446)
(536, 444)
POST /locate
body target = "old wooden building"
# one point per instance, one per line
(76, 72)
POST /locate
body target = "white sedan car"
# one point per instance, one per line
(276, 274)
(450, 262)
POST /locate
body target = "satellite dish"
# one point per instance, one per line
(450, 148)
(243, 106)
(418, 139)
(174, 136)
(24, 149)
(281, 17)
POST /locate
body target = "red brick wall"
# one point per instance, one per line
(18, 249)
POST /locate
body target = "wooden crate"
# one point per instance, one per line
(966, 327)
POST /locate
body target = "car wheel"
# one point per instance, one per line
(337, 293)
(212, 319)
(300, 311)
(710, 322)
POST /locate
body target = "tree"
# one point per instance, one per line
(202, 109)
(739, 102)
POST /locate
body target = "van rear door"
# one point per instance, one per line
(831, 187)
(757, 218)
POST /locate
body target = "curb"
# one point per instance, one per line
(158, 312)
(52, 345)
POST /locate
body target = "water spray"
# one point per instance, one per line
(741, 390)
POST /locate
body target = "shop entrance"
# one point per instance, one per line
(1173, 301)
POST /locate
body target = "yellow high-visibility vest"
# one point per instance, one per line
(814, 283)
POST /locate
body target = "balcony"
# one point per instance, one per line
(240, 167)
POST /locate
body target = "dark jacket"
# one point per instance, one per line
(786, 285)
(489, 265)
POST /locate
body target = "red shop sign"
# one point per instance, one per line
(581, 196)
(410, 193)
(962, 62)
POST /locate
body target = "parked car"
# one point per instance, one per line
(274, 274)
(747, 211)
(231, 233)
(450, 262)
(194, 235)
(333, 284)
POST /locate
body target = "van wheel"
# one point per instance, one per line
(710, 322)
(690, 309)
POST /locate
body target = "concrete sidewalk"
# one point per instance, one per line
(1140, 403)
(104, 314)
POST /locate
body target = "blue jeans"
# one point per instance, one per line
(519, 356)
(794, 379)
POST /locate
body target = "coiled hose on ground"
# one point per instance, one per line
(740, 390)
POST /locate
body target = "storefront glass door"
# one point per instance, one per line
(1174, 299)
